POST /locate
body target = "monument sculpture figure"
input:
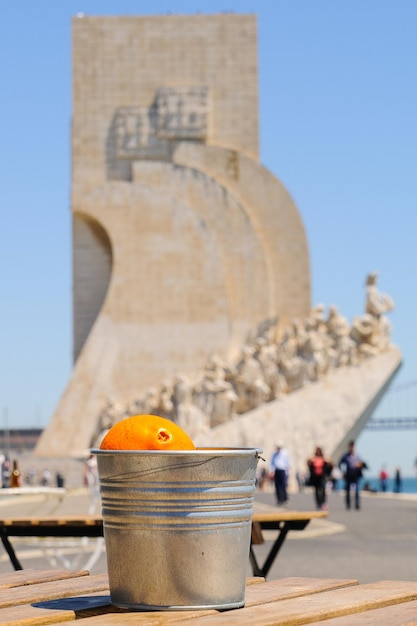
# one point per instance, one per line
(376, 303)
(372, 331)
(342, 347)
(251, 387)
(216, 396)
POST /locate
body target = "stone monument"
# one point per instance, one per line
(183, 243)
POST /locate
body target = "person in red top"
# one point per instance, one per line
(320, 468)
(383, 478)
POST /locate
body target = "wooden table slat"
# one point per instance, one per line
(50, 521)
(96, 610)
(285, 516)
(293, 587)
(317, 607)
(53, 589)
(156, 618)
(33, 576)
(31, 615)
(35, 490)
(38, 615)
(404, 614)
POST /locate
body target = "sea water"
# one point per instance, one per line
(408, 484)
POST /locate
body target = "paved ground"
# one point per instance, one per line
(378, 542)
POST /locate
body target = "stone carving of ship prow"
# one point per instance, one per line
(315, 383)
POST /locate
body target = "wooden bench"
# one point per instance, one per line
(92, 526)
(33, 491)
(281, 522)
(48, 526)
(59, 597)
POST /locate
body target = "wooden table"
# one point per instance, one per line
(282, 522)
(47, 526)
(33, 491)
(92, 526)
(33, 597)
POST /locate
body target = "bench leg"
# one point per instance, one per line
(275, 549)
(263, 571)
(255, 567)
(10, 551)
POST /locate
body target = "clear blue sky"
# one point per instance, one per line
(337, 101)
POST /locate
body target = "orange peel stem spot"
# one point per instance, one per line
(163, 435)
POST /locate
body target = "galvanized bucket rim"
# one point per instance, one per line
(198, 451)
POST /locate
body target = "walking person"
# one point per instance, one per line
(352, 467)
(383, 479)
(397, 480)
(320, 468)
(91, 481)
(279, 469)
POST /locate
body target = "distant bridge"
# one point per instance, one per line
(400, 400)
(392, 423)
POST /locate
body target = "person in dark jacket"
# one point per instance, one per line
(320, 468)
(352, 467)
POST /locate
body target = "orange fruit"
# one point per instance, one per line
(146, 432)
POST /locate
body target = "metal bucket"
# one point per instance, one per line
(177, 526)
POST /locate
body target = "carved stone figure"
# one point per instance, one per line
(182, 392)
(317, 318)
(289, 344)
(188, 415)
(250, 385)
(166, 403)
(218, 398)
(313, 351)
(267, 355)
(377, 304)
(294, 370)
(343, 348)
(151, 401)
(363, 333)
